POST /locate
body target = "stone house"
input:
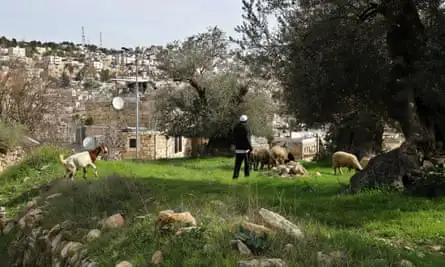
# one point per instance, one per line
(153, 144)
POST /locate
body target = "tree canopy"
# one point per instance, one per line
(208, 90)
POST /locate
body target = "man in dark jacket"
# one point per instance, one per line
(243, 146)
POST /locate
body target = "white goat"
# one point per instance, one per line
(82, 160)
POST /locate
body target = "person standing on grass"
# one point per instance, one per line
(243, 146)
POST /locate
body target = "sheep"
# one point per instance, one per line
(82, 160)
(344, 159)
(262, 156)
(279, 155)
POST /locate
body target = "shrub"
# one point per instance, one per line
(11, 134)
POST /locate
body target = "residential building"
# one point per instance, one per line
(17, 52)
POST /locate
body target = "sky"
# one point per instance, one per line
(122, 22)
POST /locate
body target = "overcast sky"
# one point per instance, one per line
(122, 23)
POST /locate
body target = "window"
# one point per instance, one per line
(132, 142)
(178, 144)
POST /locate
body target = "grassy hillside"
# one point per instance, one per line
(372, 229)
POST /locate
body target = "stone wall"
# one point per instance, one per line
(155, 146)
(103, 113)
(11, 158)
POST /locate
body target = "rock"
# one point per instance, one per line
(279, 222)
(114, 221)
(184, 230)
(54, 195)
(70, 249)
(436, 248)
(317, 174)
(157, 257)
(217, 203)
(66, 225)
(55, 230)
(333, 258)
(9, 226)
(258, 229)
(124, 264)
(405, 263)
(30, 205)
(262, 263)
(92, 235)
(289, 248)
(169, 216)
(240, 247)
(30, 219)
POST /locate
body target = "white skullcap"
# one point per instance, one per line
(243, 118)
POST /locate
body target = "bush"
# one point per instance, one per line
(11, 135)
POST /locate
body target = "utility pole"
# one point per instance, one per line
(137, 105)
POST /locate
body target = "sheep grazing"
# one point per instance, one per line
(343, 159)
(262, 156)
(82, 160)
(279, 155)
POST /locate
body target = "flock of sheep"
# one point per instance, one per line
(278, 155)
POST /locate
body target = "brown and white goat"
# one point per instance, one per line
(82, 160)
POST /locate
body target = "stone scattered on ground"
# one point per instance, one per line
(405, 263)
(184, 230)
(92, 235)
(169, 216)
(124, 264)
(262, 263)
(333, 258)
(289, 248)
(436, 248)
(30, 219)
(114, 221)
(278, 222)
(36, 246)
(240, 247)
(54, 195)
(260, 230)
(157, 257)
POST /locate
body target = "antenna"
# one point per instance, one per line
(100, 40)
(83, 37)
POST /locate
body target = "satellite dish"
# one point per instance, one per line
(118, 103)
(89, 142)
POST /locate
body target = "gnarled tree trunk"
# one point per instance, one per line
(416, 107)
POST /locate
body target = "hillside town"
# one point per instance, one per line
(87, 78)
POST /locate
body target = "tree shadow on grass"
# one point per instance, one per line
(132, 197)
(295, 199)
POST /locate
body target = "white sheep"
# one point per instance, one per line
(82, 160)
(343, 159)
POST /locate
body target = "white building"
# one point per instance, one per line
(56, 60)
(17, 52)
(98, 65)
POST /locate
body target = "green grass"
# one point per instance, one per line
(333, 221)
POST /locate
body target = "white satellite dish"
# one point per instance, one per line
(89, 142)
(118, 103)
